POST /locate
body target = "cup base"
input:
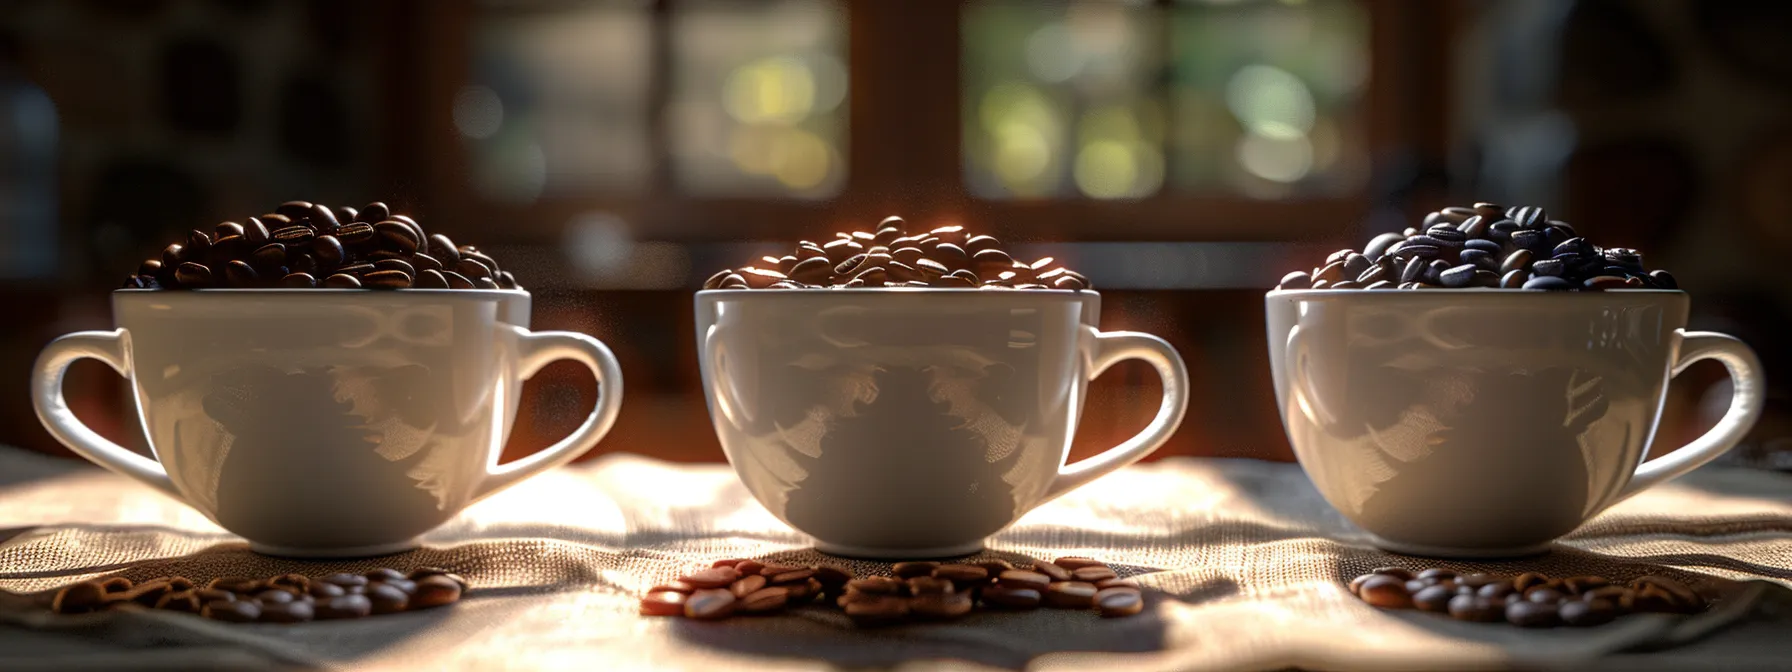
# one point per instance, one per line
(344, 552)
(1459, 553)
(877, 553)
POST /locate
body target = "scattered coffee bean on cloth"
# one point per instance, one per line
(1487, 245)
(304, 245)
(890, 256)
(916, 591)
(283, 598)
(1529, 600)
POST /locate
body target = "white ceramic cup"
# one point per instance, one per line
(1487, 423)
(324, 423)
(895, 423)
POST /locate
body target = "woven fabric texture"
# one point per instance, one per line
(1243, 562)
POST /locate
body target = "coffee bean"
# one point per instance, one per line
(193, 275)
(1664, 280)
(1527, 614)
(253, 230)
(1543, 594)
(293, 235)
(240, 274)
(940, 607)
(184, 601)
(960, 573)
(346, 606)
(1296, 280)
(763, 600)
(1530, 217)
(1447, 236)
(1400, 573)
(1682, 596)
(1476, 227)
(1434, 598)
(1117, 602)
(1051, 570)
(1546, 282)
(1386, 592)
(1459, 276)
(387, 280)
(663, 603)
(394, 235)
(78, 598)
(1480, 258)
(875, 585)
(287, 612)
(1071, 595)
(714, 577)
(926, 585)
(1475, 608)
(237, 611)
(1094, 573)
(1530, 240)
(342, 281)
(993, 565)
(1378, 246)
(1514, 279)
(1587, 613)
(1023, 579)
(1604, 282)
(1525, 582)
(1012, 596)
(386, 599)
(1355, 264)
(273, 595)
(438, 590)
(878, 611)
(709, 604)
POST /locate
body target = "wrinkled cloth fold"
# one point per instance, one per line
(1243, 562)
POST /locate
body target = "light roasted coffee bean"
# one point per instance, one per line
(663, 603)
(1071, 595)
(878, 611)
(1386, 592)
(1023, 579)
(763, 600)
(1094, 573)
(1118, 602)
(1054, 571)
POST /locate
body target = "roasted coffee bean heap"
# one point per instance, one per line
(914, 591)
(1528, 600)
(285, 598)
(946, 257)
(1487, 245)
(305, 245)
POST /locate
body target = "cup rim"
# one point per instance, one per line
(238, 291)
(895, 291)
(1473, 291)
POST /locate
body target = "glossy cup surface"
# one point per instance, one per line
(1477, 423)
(891, 423)
(323, 421)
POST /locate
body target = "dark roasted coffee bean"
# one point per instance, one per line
(1518, 260)
(346, 214)
(298, 281)
(1549, 267)
(976, 244)
(328, 250)
(395, 265)
(1480, 258)
(1574, 247)
(294, 209)
(1386, 592)
(437, 590)
(1456, 215)
(1093, 573)
(1020, 578)
(386, 599)
(1355, 264)
(1485, 209)
(215, 594)
(1448, 236)
(1459, 276)
(1347, 284)
(255, 232)
(1581, 584)
(1664, 279)
(1587, 613)
(237, 611)
(1411, 249)
(1378, 246)
(1437, 574)
(989, 263)
(1683, 597)
(383, 574)
(269, 256)
(1117, 602)
(1604, 282)
(183, 601)
(1332, 273)
(1530, 217)
(1514, 279)
(287, 612)
(1416, 585)
(372, 212)
(1413, 270)
(1547, 282)
(878, 611)
(346, 606)
(1487, 246)
(474, 269)
(1476, 227)
(960, 573)
(397, 235)
(431, 279)
(1528, 580)
(1071, 595)
(227, 229)
(813, 270)
(913, 569)
(198, 246)
(321, 590)
(1296, 280)
(1375, 274)
(190, 274)
(458, 281)
(1543, 594)
(1401, 573)
(240, 274)
(1530, 240)
(293, 235)
(1013, 597)
(1434, 598)
(322, 218)
(1527, 614)
(342, 281)
(1476, 609)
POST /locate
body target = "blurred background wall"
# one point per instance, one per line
(1183, 153)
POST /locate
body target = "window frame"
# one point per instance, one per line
(891, 61)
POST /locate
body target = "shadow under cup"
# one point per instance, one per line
(895, 424)
(1472, 423)
(323, 421)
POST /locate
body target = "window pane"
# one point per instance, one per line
(1059, 99)
(1266, 96)
(758, 104)
(558, 102)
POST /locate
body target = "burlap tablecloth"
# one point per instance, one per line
(1244, 565)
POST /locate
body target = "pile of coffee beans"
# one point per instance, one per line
(1529, 600)
(285, 598)
(1487, 245)
(305, 245)
(912, 591)
(890, 256)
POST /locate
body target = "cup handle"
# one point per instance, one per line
(1745, 408)
(535, 350)
(52, 410)
(1104, 350)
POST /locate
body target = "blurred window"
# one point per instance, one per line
(758, 105)
(562, 91)
(1107, 99)
(558, 104)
